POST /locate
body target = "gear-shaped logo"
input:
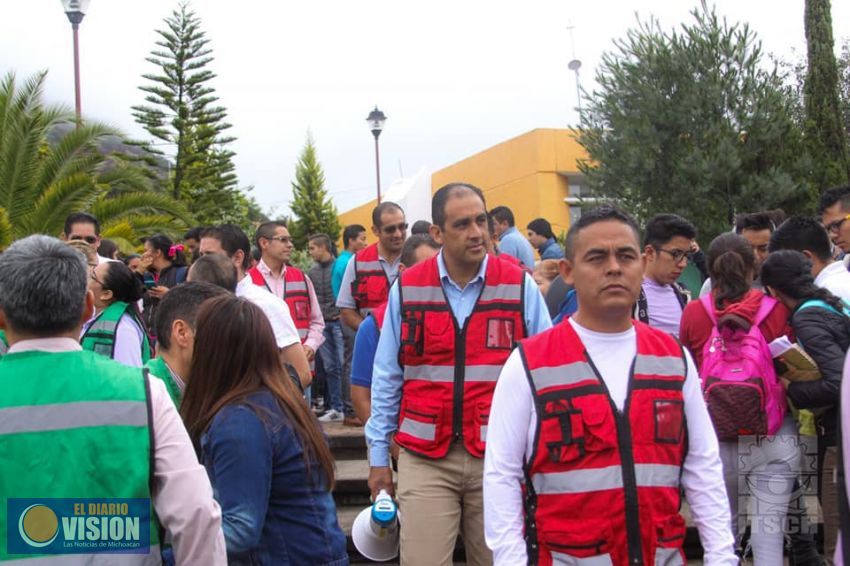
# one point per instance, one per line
(774, 471)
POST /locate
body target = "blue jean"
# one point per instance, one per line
(331, 353)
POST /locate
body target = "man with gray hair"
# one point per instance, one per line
(74, 424)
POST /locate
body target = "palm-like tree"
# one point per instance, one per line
(42, 181)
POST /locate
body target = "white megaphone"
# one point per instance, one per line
(375, 530)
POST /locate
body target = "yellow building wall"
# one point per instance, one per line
(525, 173)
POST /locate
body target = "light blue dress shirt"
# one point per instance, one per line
(513, 243)
(388, 377)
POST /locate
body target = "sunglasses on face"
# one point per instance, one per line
(394, 228)
(86, 239)
(678, 255)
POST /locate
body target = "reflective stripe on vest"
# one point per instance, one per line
(100, 336)
(40, 418)
(446, 374)
(568, 374)
(659, 365)
(500, 292)
(369, 266)
(559, 559)
(423, 431)
(295, 286)
(599, 479)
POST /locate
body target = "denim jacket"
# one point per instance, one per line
(273, 511)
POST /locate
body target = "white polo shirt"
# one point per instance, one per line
(276, 311)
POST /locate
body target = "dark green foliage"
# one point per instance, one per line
(313, 210)
(181, 111)
(690, 122)
(825, 136)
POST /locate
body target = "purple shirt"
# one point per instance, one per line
(663, 308)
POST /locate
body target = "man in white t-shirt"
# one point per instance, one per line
(667, 248)
(232, 242)
(809, 237)
(586, 458)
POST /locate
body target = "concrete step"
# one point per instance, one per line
(346, 442)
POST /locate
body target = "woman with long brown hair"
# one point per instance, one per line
(268, 461)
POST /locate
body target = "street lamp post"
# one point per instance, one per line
(575, 65)
(76, 10)
(376, 121)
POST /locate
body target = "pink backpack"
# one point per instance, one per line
(739, 383)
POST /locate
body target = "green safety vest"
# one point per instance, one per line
(100, 335)
(74, 425)
(4, 344)
(158, 368)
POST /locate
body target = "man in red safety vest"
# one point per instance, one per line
(598, 423)
(450, 324)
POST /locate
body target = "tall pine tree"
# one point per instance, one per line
(182, 111)
(825, 136)
(313, 210)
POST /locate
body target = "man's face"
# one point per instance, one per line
(279, 246)
(84, 231)
(500, 227)
(606, 268)
(213, 246)
(536, 239)
(666, 262)
(358, 243)
(393, 230)
(191, 245)
(317, 251)
(835, 221)
(465, 234)
(758, 239)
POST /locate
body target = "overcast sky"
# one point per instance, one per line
(454, 77)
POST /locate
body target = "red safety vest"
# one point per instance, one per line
(603, 486)
(449, 372)
(295, 294)
(379, 313)
(370, 287)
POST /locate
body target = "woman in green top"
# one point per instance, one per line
(117, 331)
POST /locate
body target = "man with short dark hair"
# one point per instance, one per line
(85, 227)
(332, 350)
(542, 237)
(511, 241)
(667, 248)
(834, 211)
(451, 322)
(75, 424)
(216, 269)
(807, 236)
(231, 241)
(288, 283)
(756, 229)
(192, 239)
(598, 423)
(369, 275)
(353, 240)
(175, 330)
(420, 228)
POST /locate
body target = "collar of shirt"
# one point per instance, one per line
(444, 273)
(181, 385)
(828, 271)
(52, 345)
(548, 244)
(266, 270)
(509, 231)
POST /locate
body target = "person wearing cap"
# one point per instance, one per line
(543, 239)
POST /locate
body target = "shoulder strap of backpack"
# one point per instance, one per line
(766, 306)
(818, 303)
(642, 308)
(707, 302)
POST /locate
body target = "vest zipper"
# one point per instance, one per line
(627, 464)
(460, 377)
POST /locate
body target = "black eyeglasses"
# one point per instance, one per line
(87, 239)
(395, 228)
(836, 224)
(94, 277)
(281, 239)
(678, 255)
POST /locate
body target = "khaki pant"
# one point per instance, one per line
(437, 499)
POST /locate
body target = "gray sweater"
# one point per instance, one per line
(320, 275)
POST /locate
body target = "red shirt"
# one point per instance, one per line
(695, 329)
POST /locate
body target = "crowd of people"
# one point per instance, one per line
(549, 401)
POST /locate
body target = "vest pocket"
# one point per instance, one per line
(420, 424)
(584, 544)
(481, 417)
(669, 538)
(571, 432)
